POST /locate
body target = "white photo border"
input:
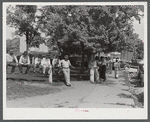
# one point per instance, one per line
(72, 113)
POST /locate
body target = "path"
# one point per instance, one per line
(111, 94)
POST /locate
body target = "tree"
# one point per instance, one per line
(90, 27)
(22, 17)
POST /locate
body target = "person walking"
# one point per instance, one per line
(12, 61)
(65, 65)
(113, 61)
(24, 61)
(100, 67)
(117, 67)
(103, 69)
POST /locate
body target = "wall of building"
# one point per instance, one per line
(125, 55)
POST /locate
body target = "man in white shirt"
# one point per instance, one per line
(37, 63)
(117, 68)
(11, 60)
(24, 62)
(46, 65)
(65, 65)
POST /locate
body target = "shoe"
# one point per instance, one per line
(69, 85)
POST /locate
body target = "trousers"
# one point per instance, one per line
(66, 72)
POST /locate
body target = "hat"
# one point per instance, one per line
(25, 53)
(11, 51)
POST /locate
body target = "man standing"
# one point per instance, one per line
(65, 65)
(24, 62)
(11, 60)
(117, 67)
(46, 64)
(37, 63)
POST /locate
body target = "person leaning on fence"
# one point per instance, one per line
(37, 63)
(11, 60)
(24, 61)
(117, 67)
(96, 73)
(65, 65)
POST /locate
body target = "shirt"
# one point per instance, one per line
(116, 65)
(104, 62)
(37, 61)
(24, 60)
(65, 64)
(11, 58)
(114, 60)
(95, 63)
(55, 61)
(45, 62)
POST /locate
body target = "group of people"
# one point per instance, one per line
(97, 66)
(41, 62)
(100, 65)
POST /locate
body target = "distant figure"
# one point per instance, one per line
(65, 65)
(110, 66)
(24, 62)
(117, 67)
(55, 63)
(113, 61)
(11, 60)
(103, 69)
(96, 73)
(37, 63)
(100, 67)
(46, 65)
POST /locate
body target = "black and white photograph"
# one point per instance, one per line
(78, 60)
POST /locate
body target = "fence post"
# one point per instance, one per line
(92, 75)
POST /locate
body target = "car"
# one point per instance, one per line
(124, 64)
(137, 69)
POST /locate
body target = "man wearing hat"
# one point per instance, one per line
(65, 65)
(11, 60)
(24, 62)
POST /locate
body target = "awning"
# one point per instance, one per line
(115, 53)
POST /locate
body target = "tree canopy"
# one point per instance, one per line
(78, 29)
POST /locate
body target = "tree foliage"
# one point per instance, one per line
(79, 29)
(22, 17)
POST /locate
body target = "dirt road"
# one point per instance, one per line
(111, 94)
